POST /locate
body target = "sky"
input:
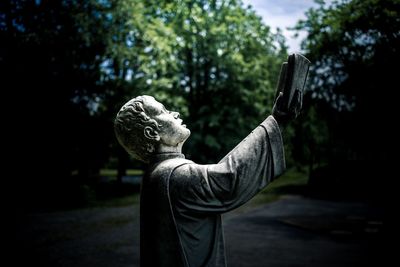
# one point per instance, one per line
(283, 14)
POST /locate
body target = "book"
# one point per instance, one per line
(292, 77)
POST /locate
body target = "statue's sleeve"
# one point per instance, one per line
(240, 175)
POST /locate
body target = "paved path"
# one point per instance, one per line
(101, 237)
(297, 231)
(293, 231)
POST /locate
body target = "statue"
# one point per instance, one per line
(181, 201)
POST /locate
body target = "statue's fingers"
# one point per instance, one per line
(300, 101)
(294, 102)
(297, 103)
(279, 97)
(278, 102)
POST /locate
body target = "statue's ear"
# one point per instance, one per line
(151, 134)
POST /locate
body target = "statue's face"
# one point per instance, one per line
(172, 131)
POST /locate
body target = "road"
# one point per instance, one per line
(293, 231)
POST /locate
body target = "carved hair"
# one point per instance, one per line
(129, 128)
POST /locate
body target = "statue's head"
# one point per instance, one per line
(143, 125)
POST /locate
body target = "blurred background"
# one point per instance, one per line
(68, 66)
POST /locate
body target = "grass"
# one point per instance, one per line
(113, 172)
(118, 201)
(115, 195)
(293, 181)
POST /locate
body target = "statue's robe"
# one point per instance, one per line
(182, 202)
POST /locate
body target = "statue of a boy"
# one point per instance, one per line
(181, 201)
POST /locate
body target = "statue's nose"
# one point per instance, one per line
(176, 115)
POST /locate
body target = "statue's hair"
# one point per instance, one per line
(129, 128)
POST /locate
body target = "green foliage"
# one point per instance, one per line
(70, 65)
(344, 37)
(354, 48)
(214, 61)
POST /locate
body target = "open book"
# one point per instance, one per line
(293, 77)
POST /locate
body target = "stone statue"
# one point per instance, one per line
(181, 201)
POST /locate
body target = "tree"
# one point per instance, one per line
(354, 47)
(50, 58)
(215, 61)
(74, 63)
(231, 64)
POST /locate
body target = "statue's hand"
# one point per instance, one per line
(283, 115)
(296, 104)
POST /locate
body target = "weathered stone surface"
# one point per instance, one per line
(181, 201)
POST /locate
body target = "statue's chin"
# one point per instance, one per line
(186, 135)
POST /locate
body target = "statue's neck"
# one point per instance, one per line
(157, 158)
(167, 152)
(169, 149)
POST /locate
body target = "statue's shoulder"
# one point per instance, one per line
(166, 167)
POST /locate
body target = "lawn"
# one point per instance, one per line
(293, 181)
(113, 172)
